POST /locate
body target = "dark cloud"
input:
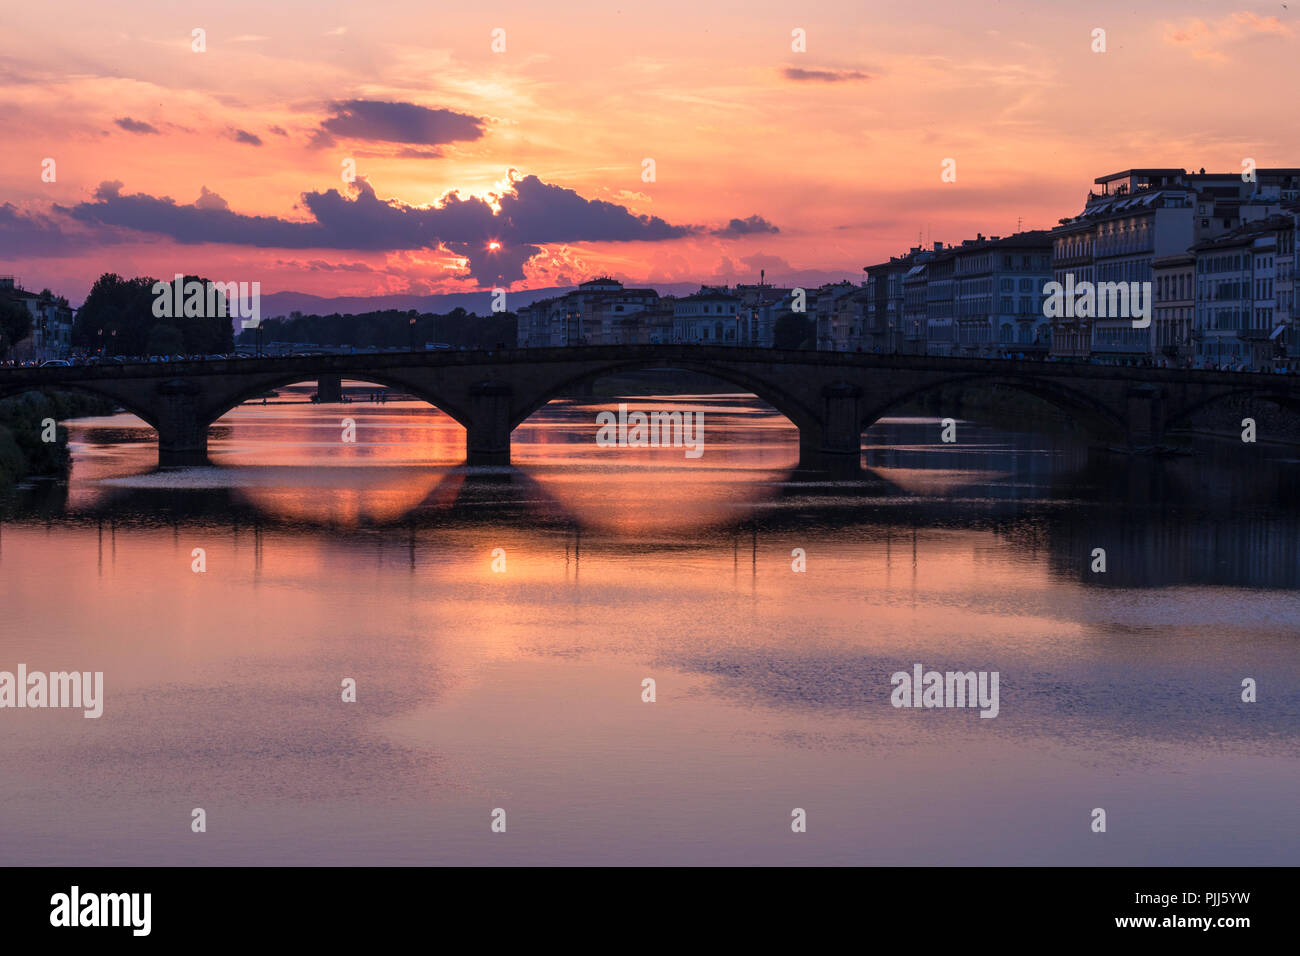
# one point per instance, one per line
(244, 136)
(322, 265)
(824, 76)
(319, 139)
(532, 213)
(541, 212)
(277, 130)
(23, 235)
(495, 267)
(377, 120)
(207, 199)
(745, 227)
(135, 126)
(207, 220)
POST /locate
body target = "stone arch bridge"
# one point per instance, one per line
(831, 397)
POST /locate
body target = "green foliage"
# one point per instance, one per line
(390, 328)
(15, 324)
(165, 339)
(22, 452)
(126, 307)
(793, 331)
(12, 464)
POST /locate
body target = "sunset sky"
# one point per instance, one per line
(227, 163)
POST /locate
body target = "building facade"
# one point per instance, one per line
(1174, 310)
(51, 334)
(708, 317)
(1139, 216)
(594, 313)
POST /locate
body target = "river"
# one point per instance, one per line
(499, 625)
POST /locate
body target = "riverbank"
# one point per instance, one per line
(25, 426)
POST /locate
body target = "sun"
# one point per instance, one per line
(494, 245)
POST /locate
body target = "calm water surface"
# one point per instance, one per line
(522, 690)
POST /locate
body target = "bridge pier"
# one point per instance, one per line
(182, 431)
(1144, 405)
(329, 389)
(834, 445)
(487, 434)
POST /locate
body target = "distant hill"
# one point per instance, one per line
(283, 303)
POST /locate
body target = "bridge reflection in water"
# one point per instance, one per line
(1213, 518)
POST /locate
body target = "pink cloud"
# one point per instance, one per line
(1206, 41)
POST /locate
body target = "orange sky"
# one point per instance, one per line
(838, 148)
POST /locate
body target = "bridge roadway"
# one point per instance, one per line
(831, 397)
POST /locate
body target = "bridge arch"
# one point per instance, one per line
(1097, 417)
(140, 411)
(388, 378)
(1182, 414)
(793, 409)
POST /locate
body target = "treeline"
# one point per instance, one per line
(390, 328)
(794, 331)
(118, 317)
(23, 430)
(15, 324)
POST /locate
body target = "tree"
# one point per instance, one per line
(116, 304)
(15, 324)
(126, 306)
(165, 339)
(792, 331)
